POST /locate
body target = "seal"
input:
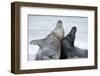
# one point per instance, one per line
(69, 50)
(50, 46)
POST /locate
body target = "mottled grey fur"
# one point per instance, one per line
(69, 50)
(50, 47)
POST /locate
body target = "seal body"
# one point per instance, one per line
(69, 50)
(50, 47)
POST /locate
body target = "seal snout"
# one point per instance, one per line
(59, 21)
(59, 24)
(71, 36)
(73, 30)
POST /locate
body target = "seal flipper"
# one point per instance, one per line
(37, 42)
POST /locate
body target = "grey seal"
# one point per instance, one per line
(69, 50)
(50, 46)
